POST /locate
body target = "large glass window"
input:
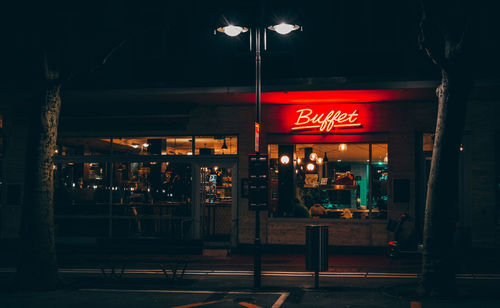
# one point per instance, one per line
(329, 180)
(83, 146)
(117, 195)
(177, 145)
(155, 145)
(216, 145)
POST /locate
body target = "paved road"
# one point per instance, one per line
(233, 290)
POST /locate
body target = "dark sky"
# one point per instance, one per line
(171, 44)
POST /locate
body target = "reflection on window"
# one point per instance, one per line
(330, 180)
(79, 184)
(139, 199)
(83, 146)
(379, 181)
(218, 145)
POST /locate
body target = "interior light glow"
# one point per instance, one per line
(313, 156)
(299, 160)
(319, 160)
(145, 145)
(283, 28)
(342, 147)
(216, 168)
(284, 159)
(135, 146)
(190, 153)
(310, 167)
(232, 30)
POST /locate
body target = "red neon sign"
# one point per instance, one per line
(307, 119)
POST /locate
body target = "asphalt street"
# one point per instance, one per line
(148, 288)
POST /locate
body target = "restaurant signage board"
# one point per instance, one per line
(325, 121)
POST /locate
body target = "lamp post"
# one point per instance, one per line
(257, 34)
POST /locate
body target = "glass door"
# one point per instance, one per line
(216, 202)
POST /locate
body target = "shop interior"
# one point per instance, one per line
(344, 180)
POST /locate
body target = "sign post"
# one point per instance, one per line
(257, 200)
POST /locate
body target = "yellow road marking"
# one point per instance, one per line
(248, 305)
(200, 304)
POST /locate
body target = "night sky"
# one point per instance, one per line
(171, 44)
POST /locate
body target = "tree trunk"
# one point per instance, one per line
(441, 212)
(37, 266)
(443, 31)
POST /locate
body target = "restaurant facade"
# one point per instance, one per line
(173, 164)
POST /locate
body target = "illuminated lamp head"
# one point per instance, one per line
(299, 160)
(232, 30)
(283, 28)
(319, 161)
(342, 147)
(310, 167)
(284, 159)
(313, 156)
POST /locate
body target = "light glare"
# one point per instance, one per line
(233, 30)
(284, 28)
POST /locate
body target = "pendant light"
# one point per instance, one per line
(224, 145)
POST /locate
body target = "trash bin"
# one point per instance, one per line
(317, 248)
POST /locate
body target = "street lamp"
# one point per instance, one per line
(256, 36)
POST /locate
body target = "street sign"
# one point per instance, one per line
(258, 176)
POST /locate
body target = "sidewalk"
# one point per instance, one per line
(409, 263)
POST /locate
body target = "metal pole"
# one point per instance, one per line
(257, 252)
(111, 174)
(258, 65)
(257, 256)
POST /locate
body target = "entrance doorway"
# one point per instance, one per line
(216, 202)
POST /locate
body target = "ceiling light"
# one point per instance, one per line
(342, 147)
(310, 167)
(319, 160)
(284, 159)
(313, 156)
